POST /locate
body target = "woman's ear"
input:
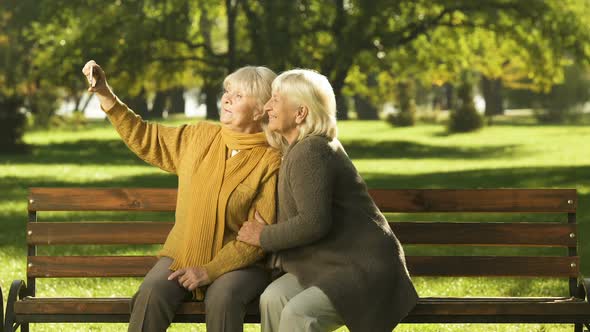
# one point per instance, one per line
(302, 112)
(259, 114)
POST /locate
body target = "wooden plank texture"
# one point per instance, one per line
(476, 200)
(542, 234)
(428, 233)
(399, 200)
(500, 266)
(102, 199)
(89, 266)
(135, 232)
(138, 266)
(425, 306)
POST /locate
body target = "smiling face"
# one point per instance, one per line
(283, 116)
(238, 111)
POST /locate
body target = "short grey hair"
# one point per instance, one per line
(255, 81)
(305, 87)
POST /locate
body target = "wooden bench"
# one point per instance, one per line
(25, 307)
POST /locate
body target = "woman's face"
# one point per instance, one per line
(282, 116)
(237, 111)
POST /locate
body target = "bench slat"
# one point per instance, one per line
(89, 266)
(431, 233)
(499, 266)
(543, 234)
(403, 200)
(136, 232)
(426, 306)
(102, 199)
(138, 266)
(475, 200)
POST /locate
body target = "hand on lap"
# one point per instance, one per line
(191, 278)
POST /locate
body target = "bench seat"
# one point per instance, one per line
(429, 309)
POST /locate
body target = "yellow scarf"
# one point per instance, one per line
(217, 180)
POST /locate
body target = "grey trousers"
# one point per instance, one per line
(155, 303)
(285, 306)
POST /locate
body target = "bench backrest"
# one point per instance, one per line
(441, 233)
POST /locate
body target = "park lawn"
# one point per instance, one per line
(502, 156)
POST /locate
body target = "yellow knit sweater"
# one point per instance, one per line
(182, 151)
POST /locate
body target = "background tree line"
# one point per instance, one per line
(373, 51)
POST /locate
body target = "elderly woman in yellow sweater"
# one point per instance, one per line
(225, 173)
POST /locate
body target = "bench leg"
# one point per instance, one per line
(17, 291)
(24, 327)
(1, 311)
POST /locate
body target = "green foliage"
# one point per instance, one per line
(407, 105)
(566, 100)
(562, 103)
(465, 118)
(365, 47)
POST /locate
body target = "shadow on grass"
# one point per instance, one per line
(366, 149)
(522, 177)
(81, 152)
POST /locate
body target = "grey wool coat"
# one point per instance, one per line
(330, 234)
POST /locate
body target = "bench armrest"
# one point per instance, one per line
(18, 290)
(583, 288)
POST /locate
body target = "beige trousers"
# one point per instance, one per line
(285, 306)
(155, 303)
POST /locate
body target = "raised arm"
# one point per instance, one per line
(157, 144)
(311, 183)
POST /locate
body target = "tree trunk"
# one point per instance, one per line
(492, 94)
(88, 99)
(210, 91)
(12, 124)
(365, 110)
(406, 95)
(159, 104)
(139, 104)
(449, 96)
(231, 8)
(465, 117)
(177, 102)
(341, 105)
(341, 101)
(77, 100)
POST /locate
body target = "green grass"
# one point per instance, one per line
(503, 156)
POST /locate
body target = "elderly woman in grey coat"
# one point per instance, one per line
(343, 264)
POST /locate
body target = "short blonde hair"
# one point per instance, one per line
(255, 81)
(305, 87)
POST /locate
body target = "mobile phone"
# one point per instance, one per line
(92, 83)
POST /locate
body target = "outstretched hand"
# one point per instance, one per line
(97, 83)
(191, 278)
(251, 230)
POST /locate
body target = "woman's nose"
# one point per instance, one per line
(266, 106)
